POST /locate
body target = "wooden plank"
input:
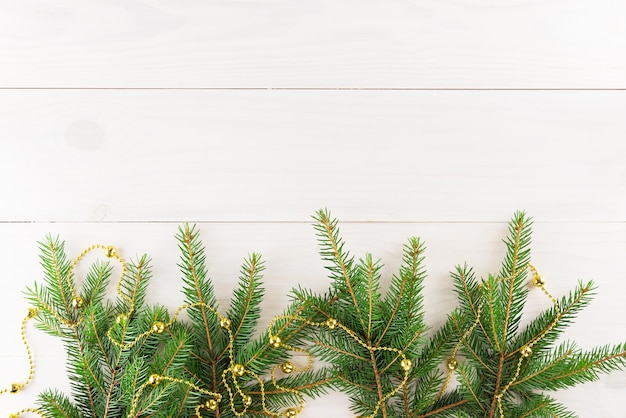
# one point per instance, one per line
(564, 252)
(279, 155)
(321, 44)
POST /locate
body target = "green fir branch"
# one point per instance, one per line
(210, 354)
(382, 329)
(504, 365)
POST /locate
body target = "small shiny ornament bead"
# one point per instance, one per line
(331, 323)
(32, 312)
(286, 367)
(158, 327)
(291, 413)
(406, 364)
(154, 379)
(121, 319)
(247, 400)
(110, 251)
(538, 281)
(211, 404)
(239, 369)
(78, 302)
(452, 364)
(225, 323)
(526, 351)
(13, 415)
(275, 341)
(15, 387)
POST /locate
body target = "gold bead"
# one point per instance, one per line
(331, 323)
(13, 415)
(225, 323)
(286, 367)
(121, 319)
(526, 351)
(110, 251)
(211, 404)
(15, 387)
(452, 364)
(154, 379)
(238, 369)
(32, 312)
(291, 413)
(538, 281)
(158, 327)
(275, 341)
(78, 302)
(406, 364)
(247, 400)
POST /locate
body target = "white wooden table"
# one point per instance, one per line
(437, 118)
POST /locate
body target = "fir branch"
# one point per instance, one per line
(56, 405)
(517, 256)
(376, 331)
(331, 249)
(245, 309)
(215, 343)
(502, 364)
(198, 289)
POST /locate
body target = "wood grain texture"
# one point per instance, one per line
(313, 44)
(278, 156)
(435, 118)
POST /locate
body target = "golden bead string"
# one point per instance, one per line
(234, 371)
(27, 410)
(452, 362)
(77, 301)
(156, 379)
(288, 368)
(527, 350)
(158, 327)
(110, 252)
(16, 387)
(331, 324)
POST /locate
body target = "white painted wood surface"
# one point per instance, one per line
(256, 115)
(314, 43)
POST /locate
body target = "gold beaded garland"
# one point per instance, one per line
(331, 323)
(238, 369)
(158, 327)
(78, 302)
(121, 319)
(154, 379)
(526, 351)
(211, 404)
(27, 410)
(225, 323)
(452, 364)
(17, 387)
(291, 413)
(287, 367)
(275, 341)
(110, 251)
(32, 312)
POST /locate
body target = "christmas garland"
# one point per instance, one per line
(127, 358)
